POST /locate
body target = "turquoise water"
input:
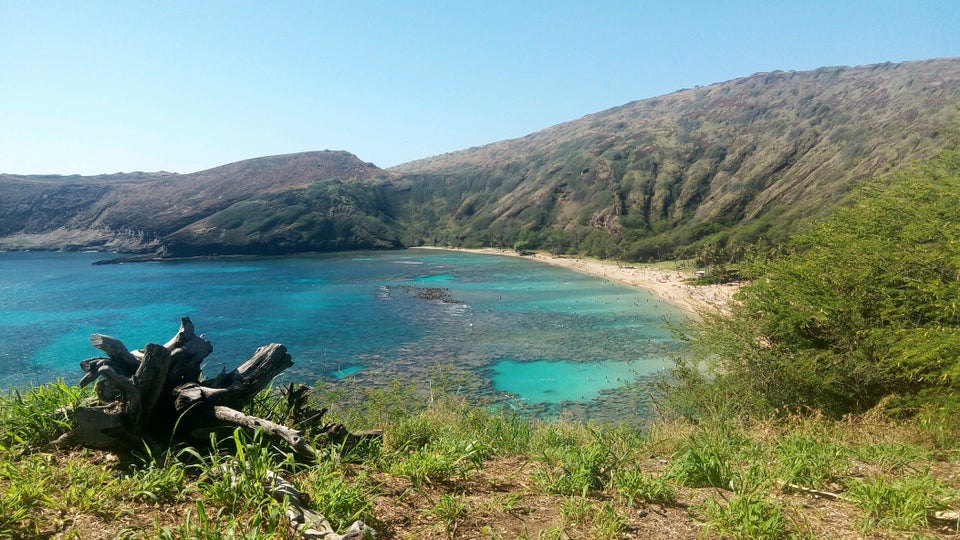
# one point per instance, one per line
(554, 381)
(528, 331)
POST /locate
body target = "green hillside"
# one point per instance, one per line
(709, 169)
(726, 163)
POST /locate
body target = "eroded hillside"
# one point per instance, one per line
(732, 161)
(716, 167)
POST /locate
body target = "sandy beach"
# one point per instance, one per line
(670, 286)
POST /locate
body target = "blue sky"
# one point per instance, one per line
(94, 87)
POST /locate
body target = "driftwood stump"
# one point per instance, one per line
(157, 394)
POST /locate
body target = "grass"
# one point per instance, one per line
(636, 487)
(448, 469)
(750, 511)
(900, 503)
(448, 511)
(571, 469)
(747, 515)
(709, 457)
(599, 519)
(33, 417)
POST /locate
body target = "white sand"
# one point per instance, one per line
(669, 286)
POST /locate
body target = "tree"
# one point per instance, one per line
(862, 305)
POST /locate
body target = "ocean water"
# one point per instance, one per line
(533, 335)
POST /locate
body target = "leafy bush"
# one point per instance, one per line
(439, 461)
(860, 306)
(448, 509)
(809, 461)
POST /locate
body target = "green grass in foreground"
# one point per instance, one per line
(446, 469)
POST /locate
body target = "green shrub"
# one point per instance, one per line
(157, 480)
(749, 512)
(448, 510)
(14, 514)
(503, 430)
(602, 520)
(439, 460)
(413, 433)
(237, 480)
(857, 307)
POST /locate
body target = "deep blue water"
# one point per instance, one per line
(537, 332)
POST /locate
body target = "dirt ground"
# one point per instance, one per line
(488, 516)
(502, 501)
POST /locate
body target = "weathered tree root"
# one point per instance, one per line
(157, 393)
(150, 393)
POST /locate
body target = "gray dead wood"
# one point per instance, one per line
(116, 350)
(151, 376)
(158, 392)
(302, 521)
(308, 523)
(236, 388)
(187, 352)
(292, 436)
(946, 517)
(146, 394)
